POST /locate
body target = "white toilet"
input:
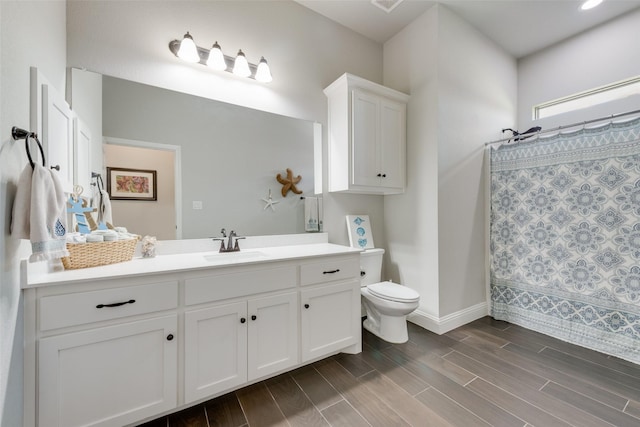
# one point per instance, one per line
(387, 303)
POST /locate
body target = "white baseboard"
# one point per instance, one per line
(441, 325)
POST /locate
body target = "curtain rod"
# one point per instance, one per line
(528, 135)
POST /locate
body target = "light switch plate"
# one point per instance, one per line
(197, 204)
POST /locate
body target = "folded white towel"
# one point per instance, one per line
(311, 214)
(39, 213)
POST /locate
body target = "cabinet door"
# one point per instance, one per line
(392, 144)
(273, 334)
(364, 155)
(108, 376)
(57, 134)
(330, 318)
(82, 155)
(215, 350)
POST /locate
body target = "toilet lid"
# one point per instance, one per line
(393, 292)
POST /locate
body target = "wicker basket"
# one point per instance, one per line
(84, 255)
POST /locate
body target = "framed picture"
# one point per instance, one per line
(359, 228)
(131, 184)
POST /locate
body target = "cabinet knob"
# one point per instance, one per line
(379, 175)
(306, 306)
(170, 337)
(384, 175)
(254, 317)
(242, 320)
(56, 167)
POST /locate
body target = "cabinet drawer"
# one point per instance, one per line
(232, 285)
(330, 269)
(86, 307)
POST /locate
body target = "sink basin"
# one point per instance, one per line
(230, 257)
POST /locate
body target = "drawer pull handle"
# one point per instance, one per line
(170, 337)
(254, 317)
(242, 320)
(306, 306)
(116, 304)
(331, 272)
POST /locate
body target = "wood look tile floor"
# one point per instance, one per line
(486, 373)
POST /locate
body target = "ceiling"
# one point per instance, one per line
(521, 27)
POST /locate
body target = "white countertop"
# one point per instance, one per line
(38, 274)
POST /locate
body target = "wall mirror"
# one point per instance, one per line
(229, 159)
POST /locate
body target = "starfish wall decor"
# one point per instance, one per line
(289, 183)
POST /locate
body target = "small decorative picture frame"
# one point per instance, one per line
(359, 228)
(131, 184)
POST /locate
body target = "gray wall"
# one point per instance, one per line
(42, 45)
(462, 89)
(598, 57)
(306, 52)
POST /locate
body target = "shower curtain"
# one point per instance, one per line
(565, 237)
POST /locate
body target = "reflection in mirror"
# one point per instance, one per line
(230, 156)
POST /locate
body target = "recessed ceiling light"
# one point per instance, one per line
(590, 4)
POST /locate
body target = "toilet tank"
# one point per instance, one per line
(371, 266)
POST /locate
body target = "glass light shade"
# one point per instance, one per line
(216, 58)
(263, 73)
(188, 50)
(590, 4)
(241, 66)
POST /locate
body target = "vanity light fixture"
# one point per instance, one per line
(187, 50)
(216, 58)
(241, 66)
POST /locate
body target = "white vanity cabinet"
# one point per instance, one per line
(367, 137)
(118, 350)
(247, 329)
(329, 306)
(107, 357)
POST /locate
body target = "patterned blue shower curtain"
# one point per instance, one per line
(565, 237)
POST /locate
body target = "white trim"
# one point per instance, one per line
(177, 169)
(441, 325)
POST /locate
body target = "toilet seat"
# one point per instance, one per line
(393, 292)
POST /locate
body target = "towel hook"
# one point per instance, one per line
(17, 134)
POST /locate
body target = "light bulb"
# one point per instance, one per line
(216, 58)
(188, 50)
(263, 73)
(241, 66)
(590, 4)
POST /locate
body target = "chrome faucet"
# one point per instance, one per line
(231, 247)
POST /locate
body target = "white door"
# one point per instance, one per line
(273, 334)
(108, 376)
(82, 156)
(392, 145)
(215, 350)
(364, 157)
(57, 134)
(330, 318)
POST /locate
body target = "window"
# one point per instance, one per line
(589, 98)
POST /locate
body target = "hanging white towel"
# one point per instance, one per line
(39, 213)
(102, 203)
(21, 214)
(311, 214)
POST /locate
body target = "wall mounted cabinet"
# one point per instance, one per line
(367, 137)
